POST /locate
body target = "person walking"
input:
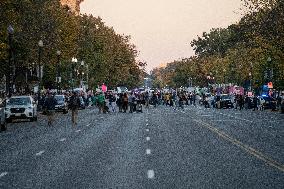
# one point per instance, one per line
(130, 102)
(49, 106)
(101, 102)
(254, 102)
(147, 98)
(241, 102)
(194, 98)
(125, 103)
(282, 103)
(112, 102)
(154, 99)
(119, 102)
(74, 105)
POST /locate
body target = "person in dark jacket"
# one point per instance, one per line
(125, 103)
(74, 105)
(254, 102)
(119, 102)
(49, 106)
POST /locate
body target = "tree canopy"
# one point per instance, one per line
(110, 57)
(237, 53)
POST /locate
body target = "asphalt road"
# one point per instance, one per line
(159, 148)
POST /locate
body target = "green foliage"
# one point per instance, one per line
(110, 57)
(237, 53)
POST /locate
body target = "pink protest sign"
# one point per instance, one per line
(104, 88)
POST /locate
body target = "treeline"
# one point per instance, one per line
(110, 57)
(249, 51)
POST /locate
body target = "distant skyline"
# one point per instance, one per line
(163, 29)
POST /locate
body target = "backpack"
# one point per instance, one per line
(74, 102)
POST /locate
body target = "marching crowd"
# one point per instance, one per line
(134, 102)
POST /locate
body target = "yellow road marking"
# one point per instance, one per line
(243, 146)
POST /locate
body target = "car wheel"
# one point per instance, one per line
(3, 127)
(8, 120)
(65, 111)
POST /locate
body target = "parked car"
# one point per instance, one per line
(3, 126)
(61, 105)
(269, 103)
(225, 101)
(20, 107)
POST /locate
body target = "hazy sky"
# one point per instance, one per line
(162, 29)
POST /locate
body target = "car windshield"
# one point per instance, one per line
(266, 98)
(59, 98)
(19, 101)
(226, 97)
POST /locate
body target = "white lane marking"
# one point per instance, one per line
(151, 174)
(224, 120)
(147, 130)
(40, 153)
(88, 125)
(148, 138)
(148, 151)
(62, 140)
(3, 174)
(147, 124)
(78, 131)
(146, 120)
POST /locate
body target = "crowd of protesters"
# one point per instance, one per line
(131, 102)
(135, 102)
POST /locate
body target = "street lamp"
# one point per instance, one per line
(58, 52)
(10, 30)
(190, 81)
(250, 82)
(40, 45)
(74, 61)
(82, 74)
(269, 71)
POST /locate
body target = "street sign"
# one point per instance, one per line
(58, 79)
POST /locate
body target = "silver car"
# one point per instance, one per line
(21, 107)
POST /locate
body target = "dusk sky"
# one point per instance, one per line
(162, 29)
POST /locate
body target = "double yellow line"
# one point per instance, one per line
(243, 146)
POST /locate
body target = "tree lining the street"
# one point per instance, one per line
(237, 53)
(111, 58)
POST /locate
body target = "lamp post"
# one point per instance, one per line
(74, 61)
(190, 81)
(82, 73)
(250, 82)
(87, 75)
(10, 30)
(269, 71)
(40, 45)
(57, 70)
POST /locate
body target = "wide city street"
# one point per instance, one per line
(159, 148)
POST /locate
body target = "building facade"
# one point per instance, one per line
(74, 5)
